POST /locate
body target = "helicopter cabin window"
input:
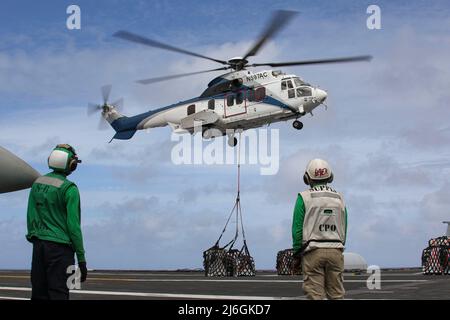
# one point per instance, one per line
(239, 97)
(304, 92)
(211, 104)
(191, 109)
(260, 94)
(230, 100)
(283, 85)
(291, 93)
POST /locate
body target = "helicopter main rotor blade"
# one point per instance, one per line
(279, 19)
(152, 43)
(106, 91)
(174, 76)
(319, 61)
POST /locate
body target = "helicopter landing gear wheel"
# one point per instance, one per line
(207, 134)
(297, 124)
(232, 141)
(211, 133)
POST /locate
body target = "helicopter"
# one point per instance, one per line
(234, 101)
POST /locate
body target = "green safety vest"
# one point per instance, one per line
(54, 212)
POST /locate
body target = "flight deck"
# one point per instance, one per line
(266, 285)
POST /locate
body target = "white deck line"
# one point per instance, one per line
(161, 295)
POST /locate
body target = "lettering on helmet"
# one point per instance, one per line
(320, 172)
(327, 227)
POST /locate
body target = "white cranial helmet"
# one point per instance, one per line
(318, 170)
(58, 160)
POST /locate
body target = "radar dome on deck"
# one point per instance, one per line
(354, 262)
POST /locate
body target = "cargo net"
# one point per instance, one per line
(435, 258)
(226, 261)
(221, 262)
(286, 265)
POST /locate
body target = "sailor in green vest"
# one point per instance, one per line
(53, 221)
(319, 231)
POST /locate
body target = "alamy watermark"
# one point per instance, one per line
(257, 147)
(374, 280)
(73, 21)
(74, 280)
(373, 22)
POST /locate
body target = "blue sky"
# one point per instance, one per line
(385, 132)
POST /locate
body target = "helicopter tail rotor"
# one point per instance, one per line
(109, 112)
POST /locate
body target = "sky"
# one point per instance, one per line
(385, 133)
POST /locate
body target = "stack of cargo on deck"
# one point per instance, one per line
(435, 258)
(285, 263)
(223, 262)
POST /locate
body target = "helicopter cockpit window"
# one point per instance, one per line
(239, 97)
(230, 100)
(291, 93)
(191, 109)
(290, 86)
(304, 92)
(211, 104)
(283, 85)
(298, 82)
(260, 94)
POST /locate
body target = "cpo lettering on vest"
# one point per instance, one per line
(327, 227)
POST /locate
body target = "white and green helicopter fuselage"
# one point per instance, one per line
(238, 100)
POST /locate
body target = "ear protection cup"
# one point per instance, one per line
(330, 179)
(306, 179)
(73, 164)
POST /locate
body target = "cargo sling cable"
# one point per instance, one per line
(226, 261)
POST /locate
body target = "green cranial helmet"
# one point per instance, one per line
(63, 158)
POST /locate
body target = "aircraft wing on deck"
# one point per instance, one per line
(15, 174)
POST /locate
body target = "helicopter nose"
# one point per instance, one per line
(321, 95)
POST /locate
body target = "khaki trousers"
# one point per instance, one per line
(323, 274)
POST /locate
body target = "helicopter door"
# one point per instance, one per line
(235, 104)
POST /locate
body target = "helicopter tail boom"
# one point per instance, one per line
(126, 127)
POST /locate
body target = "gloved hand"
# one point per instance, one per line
(83, 270)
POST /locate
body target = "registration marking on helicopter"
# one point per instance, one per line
(256, 76)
